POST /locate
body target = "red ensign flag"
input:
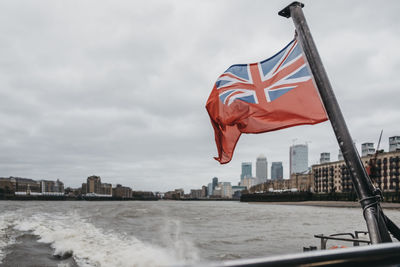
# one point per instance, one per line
(260, 97)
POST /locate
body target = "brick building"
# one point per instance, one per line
(94, 187)
(122, 191)
(334, 176)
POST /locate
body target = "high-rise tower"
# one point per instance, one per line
(214, 183)
(298, 158)
(246, 170)
(276, 171)
(261, 169)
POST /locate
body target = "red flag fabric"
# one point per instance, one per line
(273, 94)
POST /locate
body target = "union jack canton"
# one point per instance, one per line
(265, 81)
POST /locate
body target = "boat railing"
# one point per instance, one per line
(374, 255)
(354, 238)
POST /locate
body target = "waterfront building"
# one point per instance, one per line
(106, 189)
(93, 184)
(276, 170)
(73, 192)
(25, 186)
(325, 157)
(52, 187)
(298, 158)
(226, 189)
(335, 177)
(302, 182)
(179, 192)
(394, 143)
(122, 191)
(59, 186)
(261, 169)
(367, 149)
(276, 185)
(170, 195)
(385, 174)
(195, 193)
(176, 194)
(246, 170)
(248, 182)
(328, 177)
(217, 192)
(95, 188)
(19, 186)
(297, 182)
(47, 186)
(7, 187)
(204, 191)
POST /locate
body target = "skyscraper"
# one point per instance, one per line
(214, 183)
(276, 170)
(246, 170)
(261, 169)
(298, 158)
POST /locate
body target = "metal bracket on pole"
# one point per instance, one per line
(363, 186)
(286, 11)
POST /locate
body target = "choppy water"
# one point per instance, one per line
(161, 233)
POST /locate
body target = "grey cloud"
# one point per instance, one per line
(119, 89)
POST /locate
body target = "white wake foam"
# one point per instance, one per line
(6, 238)
(93, 246)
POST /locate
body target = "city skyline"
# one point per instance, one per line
(93, 87)
(302, 181)
(247, 167)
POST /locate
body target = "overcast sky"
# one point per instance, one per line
(118, 88)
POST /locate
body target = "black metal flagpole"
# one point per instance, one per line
(366, 192)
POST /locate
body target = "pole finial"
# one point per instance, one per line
(286, 11)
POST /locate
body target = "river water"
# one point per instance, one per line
(159, 233)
